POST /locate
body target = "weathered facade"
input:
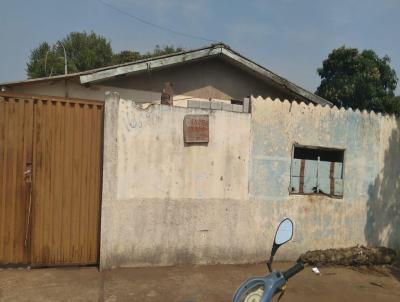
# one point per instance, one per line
(166, 202)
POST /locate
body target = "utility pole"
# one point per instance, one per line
(65, 61)
(65, 69)
(65, 58)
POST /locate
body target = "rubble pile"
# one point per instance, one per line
(352, 256)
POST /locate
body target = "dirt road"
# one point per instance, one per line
(193, 284)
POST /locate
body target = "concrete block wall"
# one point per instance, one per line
(219, 105)
(168, 203)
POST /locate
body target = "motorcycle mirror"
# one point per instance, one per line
(283, 234)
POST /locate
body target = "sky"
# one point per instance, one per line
(289, 37)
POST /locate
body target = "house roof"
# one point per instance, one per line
(214, 50)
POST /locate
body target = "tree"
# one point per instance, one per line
(126, 56)
(393, 105)
(131, 56)
(361, 80)
(40, 60)
(160, 51)
(84, 51)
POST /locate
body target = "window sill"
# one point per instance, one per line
(317, 195)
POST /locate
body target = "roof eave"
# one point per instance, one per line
(150, 64)
(40, 80)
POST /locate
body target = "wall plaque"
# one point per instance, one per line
(196, 128)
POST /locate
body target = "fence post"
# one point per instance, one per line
(110, 172)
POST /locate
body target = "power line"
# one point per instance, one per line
(155, 25)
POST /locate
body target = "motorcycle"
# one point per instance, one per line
(263, 289)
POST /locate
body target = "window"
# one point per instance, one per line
(317, 171)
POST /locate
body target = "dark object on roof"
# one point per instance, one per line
(167, 94)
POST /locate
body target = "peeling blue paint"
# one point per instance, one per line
(273, 137)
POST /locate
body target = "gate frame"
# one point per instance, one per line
(34, 99)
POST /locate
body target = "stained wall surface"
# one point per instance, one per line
(166, 202)
(323, 222)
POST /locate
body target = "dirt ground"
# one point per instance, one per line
(193, 284)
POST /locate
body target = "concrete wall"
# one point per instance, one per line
(320, 222)
(383, 204)
(167, 203)
(212, 78)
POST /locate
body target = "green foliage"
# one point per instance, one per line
(393, 105)
(361, 80)
(131, 56)
(126, 56)
(36, 66)
(84, 51)
(161, 51)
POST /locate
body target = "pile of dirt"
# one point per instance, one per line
(352, 256)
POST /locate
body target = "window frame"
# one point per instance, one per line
(296, 145)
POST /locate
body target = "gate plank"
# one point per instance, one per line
(62, 139)
(2, 176)
(66, 227)
(27, 155)
(15, 147)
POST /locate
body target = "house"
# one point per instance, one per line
(212, 72)
(95, 179)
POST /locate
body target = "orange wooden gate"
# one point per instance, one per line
(50, 180)
(16, 118)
